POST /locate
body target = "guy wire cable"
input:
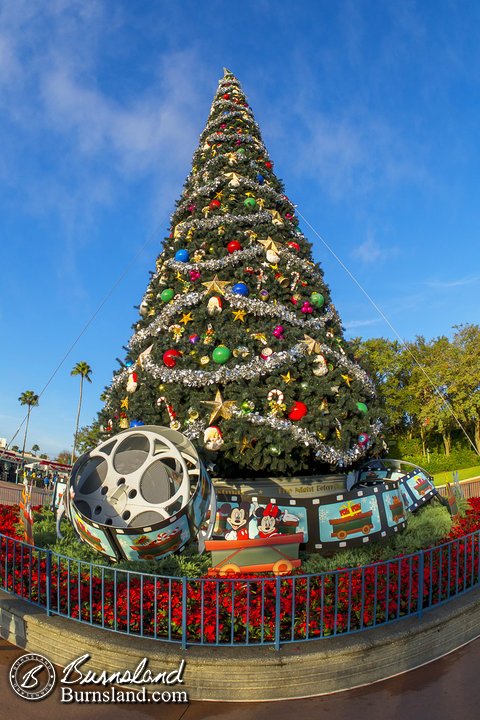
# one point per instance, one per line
(382, 314)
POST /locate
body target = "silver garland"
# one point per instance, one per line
(207, 189)
(210, 223)
(235, 258)
(327, 453)
(163, 321)
(256, 368)
(280, 312)
(211, 124)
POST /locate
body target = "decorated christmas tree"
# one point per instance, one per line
(238, 344)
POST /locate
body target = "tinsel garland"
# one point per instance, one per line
(210, 223)
(252, 305)
(211, 124)
(207, 189)
(235, 258)
(193, 178)
(292, 262)
(244, 138)
(163, 321)
(254, 369)
(324, 452)
(280, 312)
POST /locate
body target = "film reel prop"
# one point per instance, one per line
(416, 484)
(140, 495)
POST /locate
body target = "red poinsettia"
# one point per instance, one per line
(248, 609)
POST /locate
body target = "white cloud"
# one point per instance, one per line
(351, 324)
(445, 284)
(370, 251)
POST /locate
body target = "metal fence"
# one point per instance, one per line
(241, 611)
(10, 494)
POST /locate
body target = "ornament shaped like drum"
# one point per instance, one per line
(142, 494)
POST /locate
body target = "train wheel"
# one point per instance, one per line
(229, 568)
(341, 534)
(366, 529)
(282, 567)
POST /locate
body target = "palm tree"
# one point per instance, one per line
(31, 399)
(84, 370)
(35, 449)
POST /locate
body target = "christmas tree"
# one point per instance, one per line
(238, 344)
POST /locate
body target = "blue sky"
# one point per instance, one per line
(370, 110)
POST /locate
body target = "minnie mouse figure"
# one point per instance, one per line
(268, 520)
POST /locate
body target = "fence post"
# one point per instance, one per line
(48, 579)
(421, 568)
(277, 612)
(184, 613)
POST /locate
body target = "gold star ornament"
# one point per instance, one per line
(220, 407)
(186, 318)
(288, 378)
(239, 315)
(215, 286)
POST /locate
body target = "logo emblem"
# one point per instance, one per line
(32, 676)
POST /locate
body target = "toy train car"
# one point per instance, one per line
(278, 553)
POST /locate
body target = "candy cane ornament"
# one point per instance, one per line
(296, 280)
(275, 396)
(174, 424)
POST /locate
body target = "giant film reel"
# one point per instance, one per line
(140, 495)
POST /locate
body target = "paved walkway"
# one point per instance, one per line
(444, 690)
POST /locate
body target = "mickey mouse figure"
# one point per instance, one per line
(238, 521)
(268, 520)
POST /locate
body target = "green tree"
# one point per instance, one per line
(88, 437)
(15, 448)
(63, 457)
(84, 370)
(30, 399)
(465, 378)
(35, 449)
(238, 344)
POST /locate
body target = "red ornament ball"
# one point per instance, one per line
(226, 96)
(215, 204)
(298, 410)
(293, 245)
(268, 165)
(170, 358)
(233, 246)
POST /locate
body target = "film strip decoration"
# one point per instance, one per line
(328, 522)
(140, 495)
(416, 484)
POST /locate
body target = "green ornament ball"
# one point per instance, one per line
(249, 202)
(241, 150)
(167, 295)
(274, 450)
(247, 406)
(362, 407)
(317, 299)
(304, 385)
(221, 354)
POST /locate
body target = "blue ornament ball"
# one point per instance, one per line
(136, 423)
(128, 363)
(260, 179)
(182, 256)
(240, 289)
